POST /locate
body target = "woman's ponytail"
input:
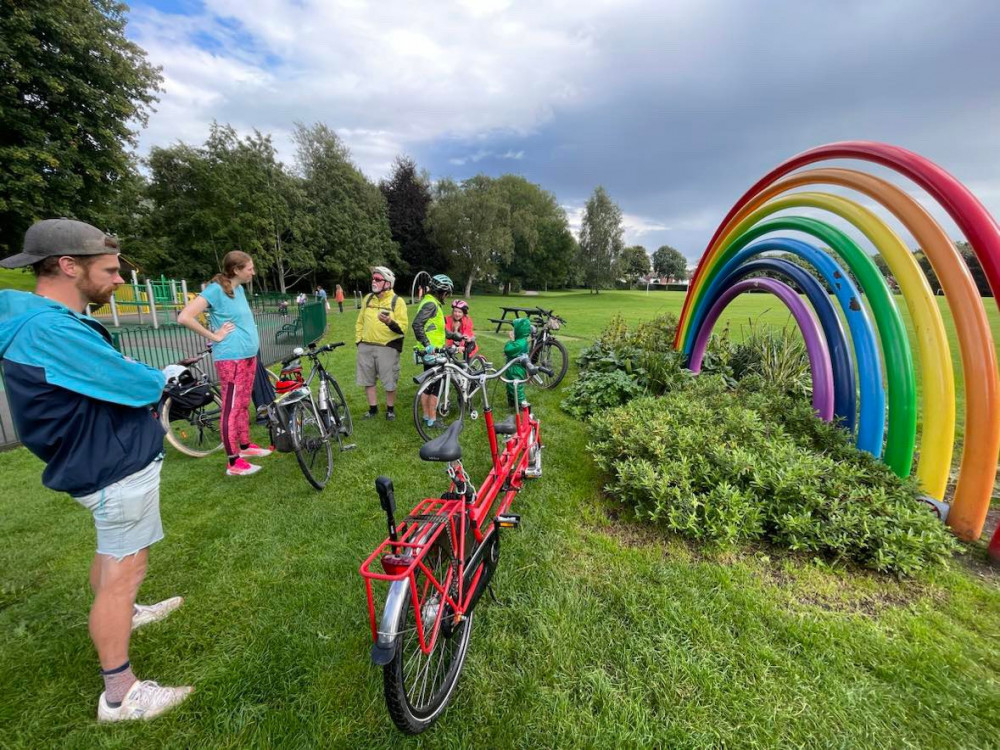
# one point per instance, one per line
(234, 261)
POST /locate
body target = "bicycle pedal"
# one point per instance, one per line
(348, 447)
(508, 520)
(473, 414)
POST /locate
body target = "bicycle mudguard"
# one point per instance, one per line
(384, 647)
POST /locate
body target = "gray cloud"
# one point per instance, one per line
(676, 108)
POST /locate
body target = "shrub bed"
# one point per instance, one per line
(738, 456)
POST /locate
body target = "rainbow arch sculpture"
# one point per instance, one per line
(744, 234)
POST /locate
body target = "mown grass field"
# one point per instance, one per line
(17, 279)
(610, 633)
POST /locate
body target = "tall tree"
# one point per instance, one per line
(72, 87)
(670, 263)
(348, 217)
(408, 196)
(229, 194)
(600, 240)
(471, 222)
(544, 249)
(634, 263)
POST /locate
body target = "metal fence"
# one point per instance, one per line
(280, 333)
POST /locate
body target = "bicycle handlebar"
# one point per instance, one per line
(312, 353)
(524, 360)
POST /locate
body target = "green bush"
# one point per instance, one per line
(645, 356)
(730, 466)
(596, 391)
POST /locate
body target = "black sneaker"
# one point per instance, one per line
(370, 415)
(390, 416)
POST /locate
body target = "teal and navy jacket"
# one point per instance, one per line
(77, 403)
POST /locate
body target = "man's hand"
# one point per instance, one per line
(429, 349)
(384, 316)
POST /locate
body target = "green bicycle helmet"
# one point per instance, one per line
(442, 283)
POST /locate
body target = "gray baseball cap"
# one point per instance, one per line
(61, 237)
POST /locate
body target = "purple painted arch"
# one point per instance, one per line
(819, 354)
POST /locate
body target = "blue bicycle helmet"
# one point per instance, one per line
(442, 283)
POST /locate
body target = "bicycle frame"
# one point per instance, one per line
(321, 406)
(462, 516)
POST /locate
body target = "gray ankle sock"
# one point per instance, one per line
(117, 683)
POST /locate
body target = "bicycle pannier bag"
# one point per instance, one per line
(186, 394)
(281, 438)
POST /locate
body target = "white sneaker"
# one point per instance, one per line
(254, 451)
(143, 614)
(144, 700)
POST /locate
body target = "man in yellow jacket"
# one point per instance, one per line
(378, 335)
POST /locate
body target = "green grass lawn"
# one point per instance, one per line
(17, 278)
(610, 633)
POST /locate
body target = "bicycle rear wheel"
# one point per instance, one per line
(551, 354)
(194, 432)
(342, 420)
(312, 444)
(418, 686)
(450, 405)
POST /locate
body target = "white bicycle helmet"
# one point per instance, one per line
(174, 372)
(386, 274)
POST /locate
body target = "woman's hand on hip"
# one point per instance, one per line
(224, 330)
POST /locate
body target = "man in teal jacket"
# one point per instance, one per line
(86, 411)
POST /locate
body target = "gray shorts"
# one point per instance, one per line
(377, 363)
(127, 513)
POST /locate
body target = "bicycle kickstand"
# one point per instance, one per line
(493, 596)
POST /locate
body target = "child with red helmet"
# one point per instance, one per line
(461, 322)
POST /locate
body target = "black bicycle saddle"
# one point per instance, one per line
(445, 446)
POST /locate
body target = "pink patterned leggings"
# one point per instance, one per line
(236, 383)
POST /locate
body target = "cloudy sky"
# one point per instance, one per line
(675, 107)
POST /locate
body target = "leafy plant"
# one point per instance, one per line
(725, 466)
(596, 391)
(777, 355)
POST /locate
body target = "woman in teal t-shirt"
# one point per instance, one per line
(235, 353)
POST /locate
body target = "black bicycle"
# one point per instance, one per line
(190, 407)
(306, 423)
(546, 351)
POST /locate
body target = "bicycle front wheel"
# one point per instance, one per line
(194, 432)
(450, 404)
(551, 354)
(311, 442)
(418, 686)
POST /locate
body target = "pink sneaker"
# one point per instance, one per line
(242, 468)
(254, 451)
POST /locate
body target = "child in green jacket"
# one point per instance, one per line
(521, 341)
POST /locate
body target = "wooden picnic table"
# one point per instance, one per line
(516, 312)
